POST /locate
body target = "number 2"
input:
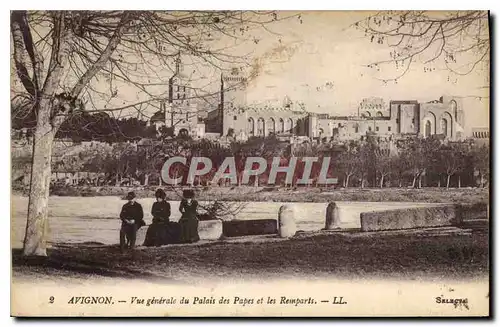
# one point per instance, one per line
(51, 299)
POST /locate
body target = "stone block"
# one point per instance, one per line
(286, 221)
(210, 229)
(407, 218)
(332, 219)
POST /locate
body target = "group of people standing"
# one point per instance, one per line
(161, 231)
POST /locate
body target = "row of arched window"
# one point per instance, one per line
(368, 114)
(445, 125)
(260, 127)
(481, 135)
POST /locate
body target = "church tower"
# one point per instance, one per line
(178, 84)
(232, 98)
(180, 109)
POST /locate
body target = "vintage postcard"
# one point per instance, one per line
(250, 163)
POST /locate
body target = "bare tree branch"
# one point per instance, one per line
(442, 38)
(104, 57)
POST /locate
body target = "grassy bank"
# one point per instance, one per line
(311, 256)
(313, 194)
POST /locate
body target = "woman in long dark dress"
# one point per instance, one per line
(158, 231)
(189, 219)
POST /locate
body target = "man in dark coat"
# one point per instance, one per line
(132, 218)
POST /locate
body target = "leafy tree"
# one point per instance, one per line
(481, 162)
(417, 154)
(348, 161)
(451, 160)
(386, 164)
(366, 159)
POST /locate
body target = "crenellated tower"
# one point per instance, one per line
(232, 98)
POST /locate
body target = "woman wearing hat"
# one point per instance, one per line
(157, 233)
(132, 219)
(189, 220)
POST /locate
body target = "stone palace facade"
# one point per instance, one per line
(234, 117)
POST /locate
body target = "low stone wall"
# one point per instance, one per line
(408, 218)
(249, 227)
(434, 216)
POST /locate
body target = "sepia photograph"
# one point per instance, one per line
(266, 163)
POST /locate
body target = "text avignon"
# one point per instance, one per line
(91, 300)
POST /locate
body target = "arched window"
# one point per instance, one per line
(453, 108)
(289, 128)
(379, 114)
(444, 126)
(260, 127)
(368, 114)
(251, 126)
(271, 126)
(281, 127)
(428, 128)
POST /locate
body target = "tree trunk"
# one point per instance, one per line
(400, 182)
(381, 181)
(35, 239)
(146, 179)
(481, 181)
(347, 181)
(117, 180)
(448, 181)
(420, 181)
(363, 182)
(159, 181)
(459, 182)
(439, 181)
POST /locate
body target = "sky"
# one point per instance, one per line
(325, 48)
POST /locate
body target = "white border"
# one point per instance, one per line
(191, 4)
